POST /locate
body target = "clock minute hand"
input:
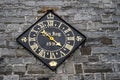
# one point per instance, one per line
(51, 38)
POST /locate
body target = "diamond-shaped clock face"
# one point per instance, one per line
(51, 39)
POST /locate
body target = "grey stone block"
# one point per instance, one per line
(13, 28)
(50, 3)
(69, 67)
(114, 34)
(29, 60)
(1, 77)
(106, 18)
(19, 69)
(12, 44)
(116, 18)
(94, 1)
(12, 20)
(97, 67)
(64, 77)
(26, 78)
(5, 52)
(2, 27)
(82, 15)
(2, 43)
(4, 69)
(29, 3)
(110, 57)
(104, 49)
(22, 53)
(99, 76)
(80, 59)
(11, 77)
(89, 77)
(3, 36)
(15, 60)
(93, 58)
(112, 76)
(116, 42)
(35, 69)
(94, 34)
(78, 68)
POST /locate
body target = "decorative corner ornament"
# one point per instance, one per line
(51, 39)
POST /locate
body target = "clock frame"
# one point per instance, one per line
(51, 39)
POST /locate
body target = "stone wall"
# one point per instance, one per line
(98, 59)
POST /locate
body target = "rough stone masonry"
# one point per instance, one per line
(98, 59)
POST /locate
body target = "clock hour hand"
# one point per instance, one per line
(51, 38)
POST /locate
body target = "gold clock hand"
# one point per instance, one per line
(51, 38)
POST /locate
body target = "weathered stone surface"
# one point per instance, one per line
(29, 60)
(19, 69)
(99, 76)
(113, 76)
(4, 69)
(98, 20)
(79, 59)
(93, 58)
(78, 68)
(11, 77)
(83, 15)
(22, 52)
(42, 79)
(1, 77)
(89, 77)
(111, 57)
(105, 49)
(69, 67)
(15, 60)
(98, 67)
(35, 69)
(106, 40)
(86, 50)
(7, 52)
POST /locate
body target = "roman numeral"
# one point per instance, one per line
(59, 25)
(32, 39)
(50, 23)
(52, 55)
(41, 25)
(62, 54)
(42, 53)
(34, 47)
(70, 38)
(34, 31)
(68, 46)
(67, 30)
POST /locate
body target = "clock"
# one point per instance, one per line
(51, 39)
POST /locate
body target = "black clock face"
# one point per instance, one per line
(51, 39)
